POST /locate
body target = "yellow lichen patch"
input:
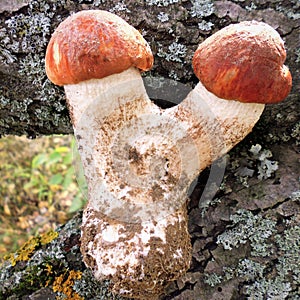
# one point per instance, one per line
(48, 237)
(26, 251)
(48, 269)
(64, 284)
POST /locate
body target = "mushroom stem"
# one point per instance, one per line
(101, 97)
(143, 164)
(131, 231)
(139, 258)
(100, 106)
(214, 125)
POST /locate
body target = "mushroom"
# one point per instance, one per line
(139, 160)
(242, 63)
(96, 55)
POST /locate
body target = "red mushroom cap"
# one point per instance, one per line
(94, 44)
(244, 62)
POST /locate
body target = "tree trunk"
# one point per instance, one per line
(245, 238)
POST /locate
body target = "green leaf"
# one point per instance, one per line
(54, 158)
(39, 160)
(68, 158)
(68, 179)
(56, 179)
(77, 204)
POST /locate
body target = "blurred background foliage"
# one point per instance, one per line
(38, 187)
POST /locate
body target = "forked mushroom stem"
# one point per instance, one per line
(139, 162)
(117, 126)
(127, 234)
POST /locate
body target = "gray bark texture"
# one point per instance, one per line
(246, 237)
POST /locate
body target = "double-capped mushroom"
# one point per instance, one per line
(139, 160)
(127, 235)
(240, 68)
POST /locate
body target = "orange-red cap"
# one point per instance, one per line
(94, 44)
(244, 62)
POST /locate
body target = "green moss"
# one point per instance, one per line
(36, 277)
(40, 261)
(27, 281)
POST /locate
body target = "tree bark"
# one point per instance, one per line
(245, 238)
(31, 105)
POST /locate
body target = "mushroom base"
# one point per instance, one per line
(140, 259)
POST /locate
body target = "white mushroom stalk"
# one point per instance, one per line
(134, 229)
(139, 160)
(99, 109)
(214, 125)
